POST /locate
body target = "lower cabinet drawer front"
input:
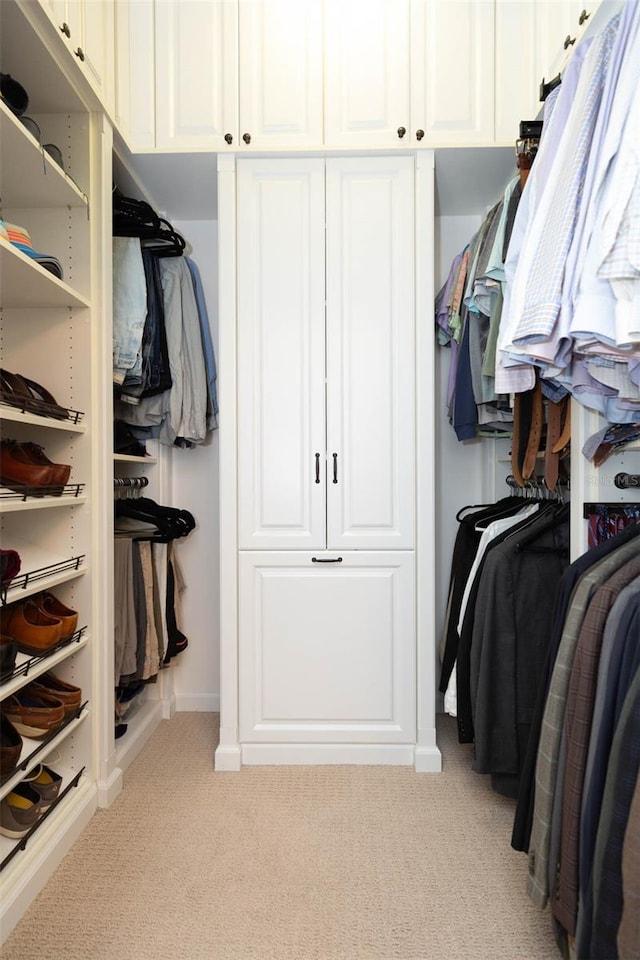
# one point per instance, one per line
(327, 647)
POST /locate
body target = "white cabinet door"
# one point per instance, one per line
(97, 51)
(196, 73)
(458, 59)
(280, 73)
(370, 352)
(327, 649)
(135, 72)
(281, 420)
(518, 74)
(367, 73)
(88, 26)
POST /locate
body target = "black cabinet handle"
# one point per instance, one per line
(419, 134)
(317, 468)
(583, 16)
(228, 137)
(568, 42)
(335, 467)
(401, 132)
(80, 54)
(322, 560)
(246, 137)
(65, 29)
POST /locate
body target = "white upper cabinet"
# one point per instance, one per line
(280, 73)
(457, 57)
(281, 436)
(367, 73)
(196, 70)
(370, 353)
(88, 27)
(534, 39)
(135, 73)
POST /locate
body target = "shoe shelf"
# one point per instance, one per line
(29, 175)
(11, 501)
(41, 569)
(10, 847)
(28, 668)
(26, 284)
(14, 414)
(36, 751)
(127, 458)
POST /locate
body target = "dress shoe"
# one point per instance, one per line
(18, 472)
(34, 715)
(48, 683)
(59, 471)
(35, 632)
(9, 569)
(46, 782)
(8, 652)
(52, 607)
(19, 811)
(10, 747)
(19, 391)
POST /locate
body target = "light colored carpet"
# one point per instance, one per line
(289, 863)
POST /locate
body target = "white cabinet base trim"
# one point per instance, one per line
(427, 760)
(398, 754)
(110, 788)
(227, 759)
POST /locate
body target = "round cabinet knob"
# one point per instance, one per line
(419, 134)
(246, 137)
(568, 41)
(401, 132)
(228, 137)
(65, 29)
(583, 16)
(80, 54)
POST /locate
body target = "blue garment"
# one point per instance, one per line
(207, 345)
(465, 412)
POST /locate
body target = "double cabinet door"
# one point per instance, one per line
(326, 353)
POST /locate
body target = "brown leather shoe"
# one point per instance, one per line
(47, 603)
(34, 632)
(59, 471)
(70, 696)
(17, 471)
(34, 715)
(10, 747)
(8, 651)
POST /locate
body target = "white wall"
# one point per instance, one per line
(194, 483)
(460, 470)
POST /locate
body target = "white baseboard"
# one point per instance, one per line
(401, 754)
(198, 702)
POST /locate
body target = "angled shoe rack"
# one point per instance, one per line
(53, 334)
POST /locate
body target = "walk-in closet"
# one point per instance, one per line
(277, 445)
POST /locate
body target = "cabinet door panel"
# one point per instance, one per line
(135, 72)
(98, 47)
(367, 95)
(517, 76)
(327, 650)
(281, 353)
(459, 63)
(196, 73)
(370, 352)
(281, 72)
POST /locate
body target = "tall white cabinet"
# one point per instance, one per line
(322, 646)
